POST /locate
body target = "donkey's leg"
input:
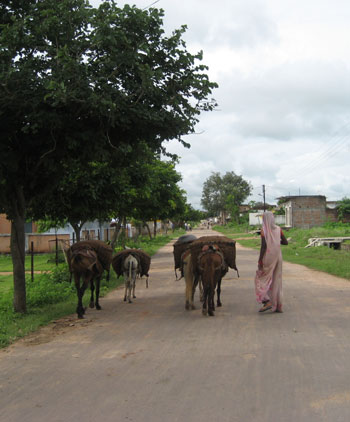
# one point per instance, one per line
(129, 290)
(205, 299)
(211, 307)
(125, 285)
(201, 289)
(98, 282)
(194, 285)
(218, 292)
(80, 309)
(92, 288)
(133, 287)
(188, 293)
(81, 291)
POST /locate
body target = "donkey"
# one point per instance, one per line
(191, 280)
(85, 264)
(130, 271)
(212, 268)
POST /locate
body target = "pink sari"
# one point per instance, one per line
(268, 281)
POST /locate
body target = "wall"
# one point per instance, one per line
(5, 225)
(5, 240)
(46, 242)
(308, 211)
(255, 219)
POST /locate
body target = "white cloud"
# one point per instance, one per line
(284, 94)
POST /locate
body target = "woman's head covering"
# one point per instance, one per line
(269, 227)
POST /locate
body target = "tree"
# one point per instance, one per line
(87, 83)
(84, 193)
(343, 208)
(223, 194)
(191, 214)
(162, 198)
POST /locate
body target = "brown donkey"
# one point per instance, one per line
(212, 268)
(85, 264)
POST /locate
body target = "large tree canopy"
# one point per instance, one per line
(222, 194)
(85, 83)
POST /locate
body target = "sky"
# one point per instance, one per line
(283, 115)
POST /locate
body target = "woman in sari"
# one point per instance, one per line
(268, 279)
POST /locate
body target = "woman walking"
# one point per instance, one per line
(268, 279)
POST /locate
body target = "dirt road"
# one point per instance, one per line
(154, 361)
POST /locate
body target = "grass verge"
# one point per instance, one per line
(321, 258)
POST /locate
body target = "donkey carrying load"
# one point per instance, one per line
(104, 252)
(85, 265)
(130, 263)
(210, 257)
(183, 262)
(87, 260)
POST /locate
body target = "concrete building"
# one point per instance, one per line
(306, 211)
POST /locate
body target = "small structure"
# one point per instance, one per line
(331, 242)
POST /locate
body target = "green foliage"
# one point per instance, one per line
(94, 84)
(45, 291)
(280, 211)
(47, 224)
(343, 208)
(193, 215)
(224, 193)
(161, 198)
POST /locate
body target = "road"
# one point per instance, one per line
(154, 361)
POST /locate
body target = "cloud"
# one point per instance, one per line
(284, 94)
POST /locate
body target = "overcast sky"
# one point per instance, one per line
(283, 119)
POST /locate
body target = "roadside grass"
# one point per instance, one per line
(321, 258)
(50, 296)
(42, 262)
(6, 283)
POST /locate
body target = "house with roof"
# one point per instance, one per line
(307, 211)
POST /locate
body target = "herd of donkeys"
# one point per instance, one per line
(202, 261)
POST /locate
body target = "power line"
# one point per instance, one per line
(147, 7)
(337, 141)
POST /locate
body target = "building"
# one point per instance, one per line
(306, 211)
(46, 242)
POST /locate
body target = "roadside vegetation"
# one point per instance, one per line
(322, 258)
(50, 296)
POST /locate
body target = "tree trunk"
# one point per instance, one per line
(125, 234)
(77, 229)
(18, 252)
(154, 228)
(116, 233)
(148, 229)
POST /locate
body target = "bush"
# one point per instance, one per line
(49, 288)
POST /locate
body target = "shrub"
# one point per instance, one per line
(46, 291)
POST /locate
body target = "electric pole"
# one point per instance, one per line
(263, 188)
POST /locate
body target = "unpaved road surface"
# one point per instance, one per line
(154, 361)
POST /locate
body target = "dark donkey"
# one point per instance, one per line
(212, 268)
(85, 264)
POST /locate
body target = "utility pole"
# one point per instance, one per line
(263, 188)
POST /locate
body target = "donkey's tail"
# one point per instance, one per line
(131, 267)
